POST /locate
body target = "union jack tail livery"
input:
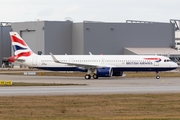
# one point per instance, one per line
(20, 48)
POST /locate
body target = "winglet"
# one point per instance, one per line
(55, 60)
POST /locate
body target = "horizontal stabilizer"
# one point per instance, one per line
(13, 59)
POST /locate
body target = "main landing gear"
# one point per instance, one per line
(88, 76)
(92, 70)
(95, 76)
(157, 75)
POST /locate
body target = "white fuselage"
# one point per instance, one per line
(121, 62)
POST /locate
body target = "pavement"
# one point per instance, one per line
(93, 86)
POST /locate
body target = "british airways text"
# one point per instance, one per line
(139, 63)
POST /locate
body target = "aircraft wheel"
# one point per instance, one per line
(87, 76)
(157, 77)
(95, 76)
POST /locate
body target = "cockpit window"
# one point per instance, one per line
(167, 60)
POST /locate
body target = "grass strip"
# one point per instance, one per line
(92, 107)
(41, 84)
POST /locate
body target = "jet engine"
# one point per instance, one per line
(108, 72)
(104, 72)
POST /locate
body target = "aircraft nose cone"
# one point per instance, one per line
(175, 65)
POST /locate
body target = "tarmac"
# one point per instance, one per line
(120, 85)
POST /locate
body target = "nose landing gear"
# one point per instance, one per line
(157, 75)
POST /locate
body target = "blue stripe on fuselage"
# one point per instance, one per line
(116, 69)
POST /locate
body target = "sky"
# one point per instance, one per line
(89, 10)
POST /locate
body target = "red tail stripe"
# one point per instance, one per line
(26, 54)
(152, 58)
(15, 39)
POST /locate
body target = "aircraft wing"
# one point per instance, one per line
(86, 66)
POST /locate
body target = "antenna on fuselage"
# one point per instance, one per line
(90, 53)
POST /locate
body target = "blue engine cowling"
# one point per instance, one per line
(104, 72)
(108, 72)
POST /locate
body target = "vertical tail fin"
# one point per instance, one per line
(20, 48)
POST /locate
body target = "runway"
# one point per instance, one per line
(79, 90)
(93, 87)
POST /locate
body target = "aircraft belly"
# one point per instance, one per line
(143, 68)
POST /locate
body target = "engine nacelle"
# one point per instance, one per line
(104, 72)
(117, 73)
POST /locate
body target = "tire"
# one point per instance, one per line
(157, 77)
(87, 76)
(95, 76)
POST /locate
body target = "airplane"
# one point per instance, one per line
(98, 65)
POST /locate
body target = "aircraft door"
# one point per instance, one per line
(34, 61)
(71, 60)
(156, 62)
(102, 61)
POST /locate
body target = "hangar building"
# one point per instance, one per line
(5, 42)
(46, 36)
(107, 38)
(112, 38)
(61, 37)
